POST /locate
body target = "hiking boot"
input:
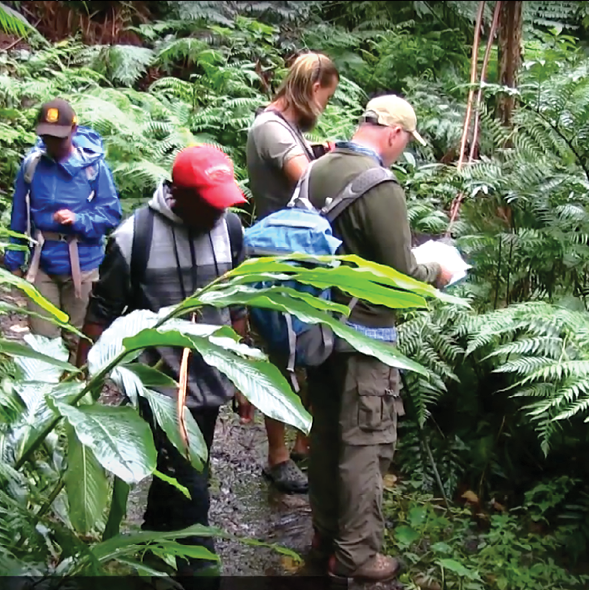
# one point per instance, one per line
(379, 568)
(287, 477)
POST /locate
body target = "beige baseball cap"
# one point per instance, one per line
(389, 110)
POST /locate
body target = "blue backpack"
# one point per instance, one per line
(302, 229)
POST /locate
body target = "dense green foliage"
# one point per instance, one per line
(505, 402)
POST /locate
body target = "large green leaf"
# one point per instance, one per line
(389, 276)
(118, 508)
(164, 411)
(364, 271)
(235, 293)
(121, 441)
(260, 381)
(110, 344)
(149, 376)
(36, 370)
(7, 277)
(353, 281)
(372, 292)
(86, 485)
(120, 545)
(272, 298)
(16, 349)
(38, 398)
(334, 267)
(133, 378)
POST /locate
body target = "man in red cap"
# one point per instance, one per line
(180, 242)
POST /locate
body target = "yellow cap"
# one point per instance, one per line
(389, 110)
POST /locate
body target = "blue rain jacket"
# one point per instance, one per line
(67, 185)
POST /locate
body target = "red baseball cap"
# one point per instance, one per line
(209, 171)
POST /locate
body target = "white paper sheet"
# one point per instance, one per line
(444, 254)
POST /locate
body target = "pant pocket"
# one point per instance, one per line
(378, 396)
(370, 403)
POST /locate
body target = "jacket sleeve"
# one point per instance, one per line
(105, 214)
(112, 293)
(384, 209)
(15, 259)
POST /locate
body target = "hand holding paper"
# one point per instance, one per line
(447, 256)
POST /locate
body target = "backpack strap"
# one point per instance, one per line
(142, 236)
(29, 172)
(355, 189)
(296, 133)
(31, 166)
(300, 196)
(235, 231)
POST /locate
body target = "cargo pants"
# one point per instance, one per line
(60, 291)
(356, 402)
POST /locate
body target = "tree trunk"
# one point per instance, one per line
(510, 55)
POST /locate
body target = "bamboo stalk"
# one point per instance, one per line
(473, 78)
(473, 75)
(492, 32)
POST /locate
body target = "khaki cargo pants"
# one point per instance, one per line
(59, 290)
(356, 401)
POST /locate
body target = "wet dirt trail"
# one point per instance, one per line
(245, 505)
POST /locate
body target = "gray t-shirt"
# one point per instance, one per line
(271, 143)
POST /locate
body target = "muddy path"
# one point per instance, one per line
(242, 502)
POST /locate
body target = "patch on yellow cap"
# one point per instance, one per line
(52, 115)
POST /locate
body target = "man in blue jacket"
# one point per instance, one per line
(66, 200)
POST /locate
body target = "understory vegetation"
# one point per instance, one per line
(492, 485)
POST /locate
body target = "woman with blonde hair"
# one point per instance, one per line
(277, 156)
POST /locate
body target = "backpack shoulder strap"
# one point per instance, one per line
(142, 236)
(295, 132)
(300, 196)
(31, 165)
(235, 231)
(359, 186)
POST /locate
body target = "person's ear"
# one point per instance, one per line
(316, 87)
(396, 132)
(391, 136)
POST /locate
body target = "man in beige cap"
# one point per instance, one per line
(356, 398)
